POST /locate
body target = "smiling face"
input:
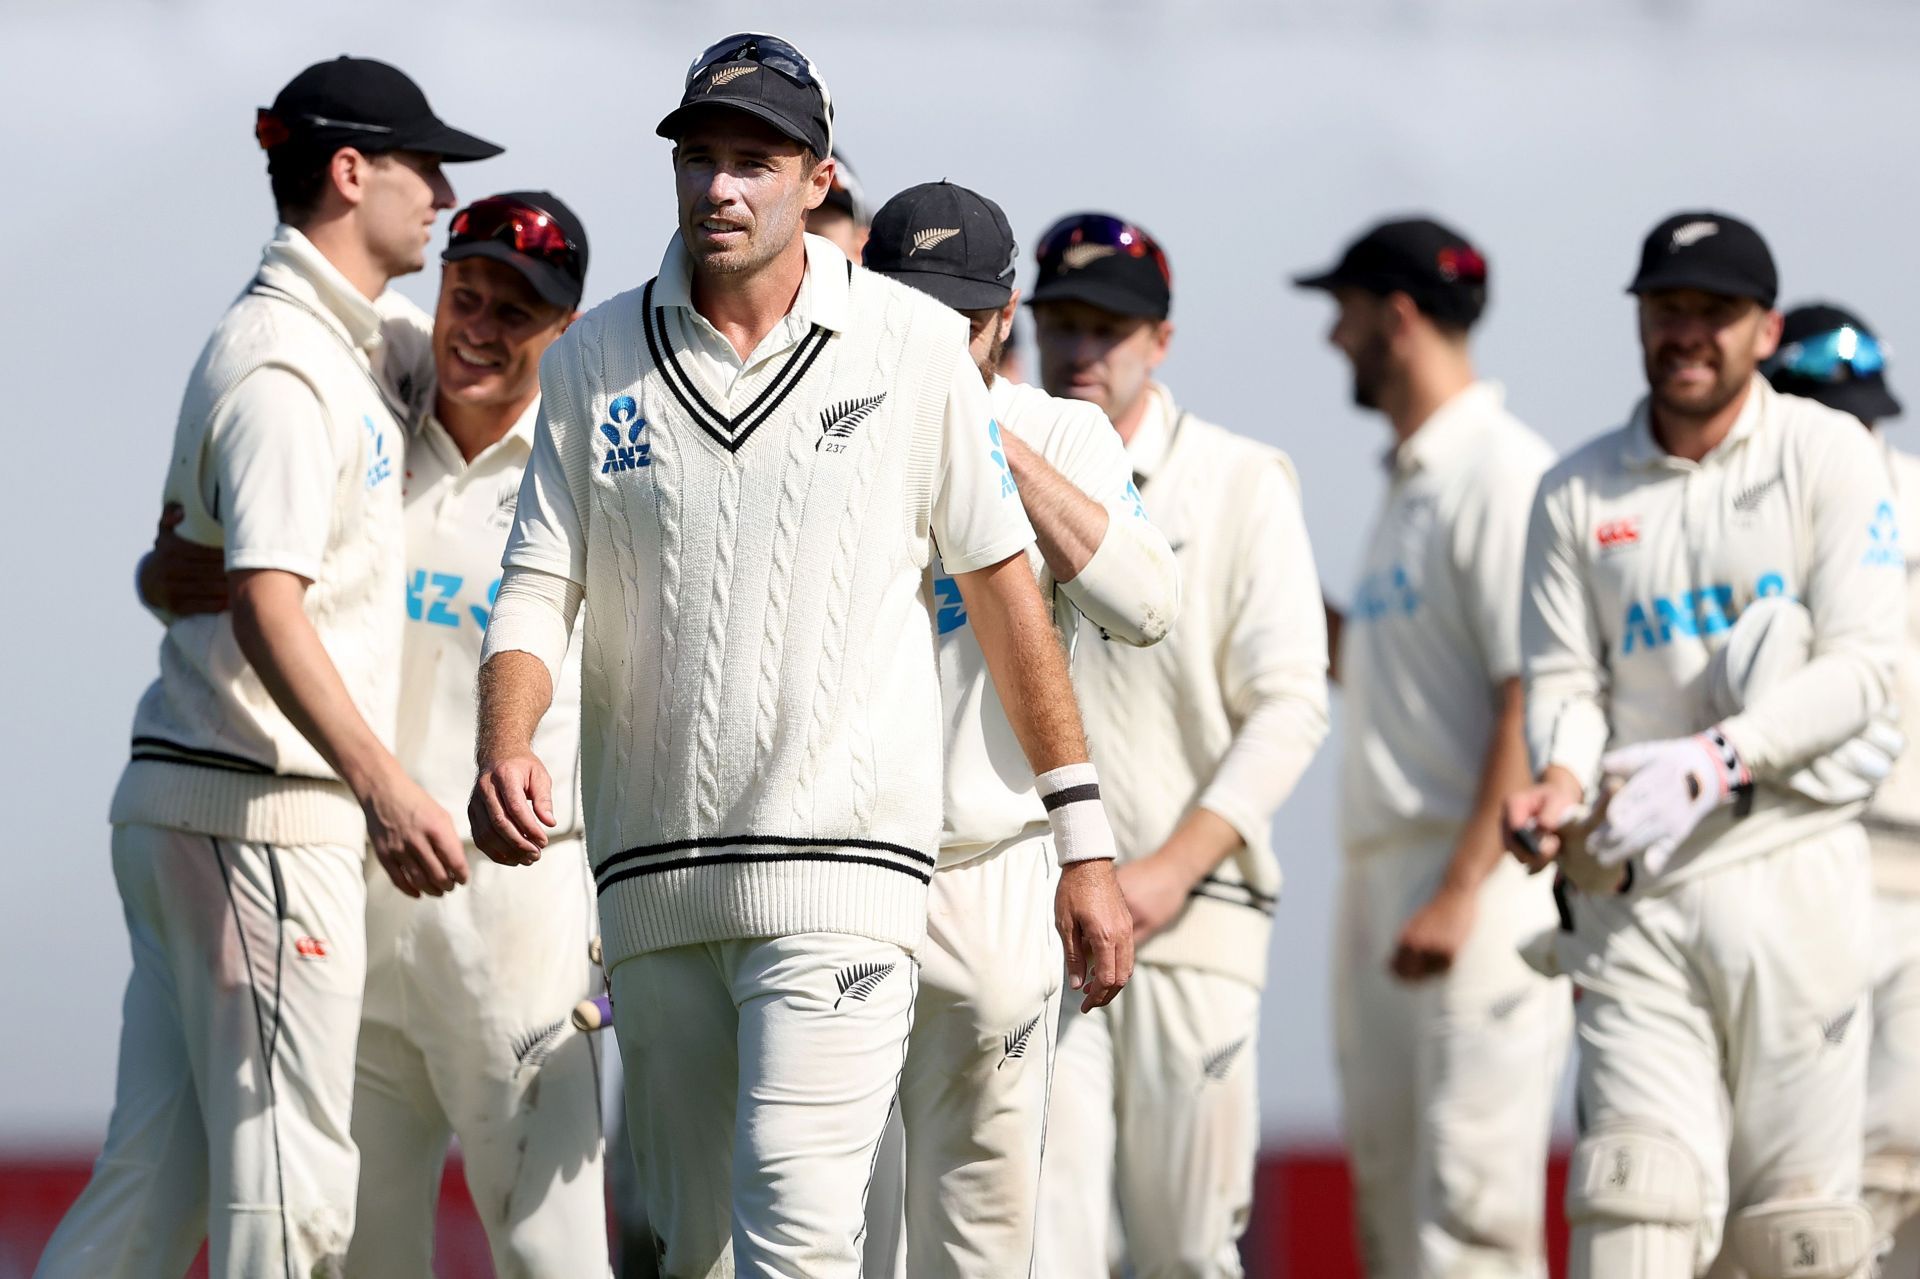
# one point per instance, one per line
(1091, 354)
(1700, 349)
(744, 190)
(489, 331)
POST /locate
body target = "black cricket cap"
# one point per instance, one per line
(1865, 395)
(846, 194)
(1712, 252)
(1436, 266)
(767, 78)
(519, 228)
(950, 243)
(1103, 261)
(360, 103)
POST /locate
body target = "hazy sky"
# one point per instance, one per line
(1253, 139)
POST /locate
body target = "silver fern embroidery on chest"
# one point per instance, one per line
(839, 421)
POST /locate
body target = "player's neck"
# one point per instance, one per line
(1693, 437)
(1429, 384)
(348, 253)
(1127, 423)
(745, 305)
(475, 428)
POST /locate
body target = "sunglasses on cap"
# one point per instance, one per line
(270, 128)
(1838, 356)
(769, 51)
(529, 231)
(1084, 238)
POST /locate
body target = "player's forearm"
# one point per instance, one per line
(1503, 770)
(1270, 750)
(278, 640)
(1026, 661)
(1068, 526)
(1201, 841)
(515, 692)
(1130, 589)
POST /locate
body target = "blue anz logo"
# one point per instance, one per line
(1131, 495)
(1883, 540)
(1007, 487)
(433, 599)
(1387, 593)
(631, 452)
(950, 613)
(380, 469)
(1689, 614)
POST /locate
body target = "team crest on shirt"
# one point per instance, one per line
(839, 421)
(626, 434)
(380, 466)
(1007, 487)
(1617, 535)
(1883, 539)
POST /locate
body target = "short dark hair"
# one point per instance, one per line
(299, 176)
(979, 317)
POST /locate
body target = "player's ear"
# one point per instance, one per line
(1011, 309)
(819, 180)
(1162, 338)
(1767, 338)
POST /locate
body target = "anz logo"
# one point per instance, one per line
(628, 450)
(1883, 539)
(380, 468)
(1007, 487)
(1388, 593)
(1131, 496)
(434, 600)
(950, 613)
(1689, 614)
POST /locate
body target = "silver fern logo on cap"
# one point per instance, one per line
(1084, 255)
(932, 238)
(1685, 237)
(727, 75)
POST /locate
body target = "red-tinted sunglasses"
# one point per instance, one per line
(1084, 235)
(530, 231)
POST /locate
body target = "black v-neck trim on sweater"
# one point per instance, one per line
(728, 432)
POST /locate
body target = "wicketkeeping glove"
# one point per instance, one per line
(1671, 786)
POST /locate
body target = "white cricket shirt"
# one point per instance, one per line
(457, 516)
(1893, 815)
(1637, 564)
(1433, 627)
(1131, 583)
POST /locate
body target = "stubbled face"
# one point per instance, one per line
(987, 338)
(404, 192)
(744, 191)
(1362, 333)
(1700, 349)
(489, 331)
(1095, 355)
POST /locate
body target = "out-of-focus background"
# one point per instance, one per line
(1252, 137)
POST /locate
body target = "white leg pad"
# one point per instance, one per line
(1890, 1184)
(1804, 1239)
(1633, 1200)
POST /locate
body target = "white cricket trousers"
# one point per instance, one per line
(1892, 1171)
(1723, 1047)
(467, 1032)
(973, 1097)
(1449, 1083)
(1155, 1106)
(230, 1113)
(759, 1075)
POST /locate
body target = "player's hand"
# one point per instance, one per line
(414, 838)
(1671, 786)
(1530, 819)
(512, 809)
(181, 577)
(1097, 930)
(1156, 889)
(1436, 934)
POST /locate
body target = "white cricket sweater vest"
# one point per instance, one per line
(761, 718)
(212, 752)
(1893, 815)
(1156, 719)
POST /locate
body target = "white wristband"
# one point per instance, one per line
(1080, 830)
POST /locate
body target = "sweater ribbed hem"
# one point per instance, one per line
(264, 808)
(702, 900)
(1896, 856)
(1217, 937)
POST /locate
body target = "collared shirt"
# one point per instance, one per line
(1433, 626)
(1151, 439)
(458, 513)
(822, 300)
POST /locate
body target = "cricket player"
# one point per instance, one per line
(973, 1094)
(1450, 1045)
(743, 468)
(262, 762)
(1202, 736)
(460, 1034)
(844, 217)
(1828, 354)
(1723, 976)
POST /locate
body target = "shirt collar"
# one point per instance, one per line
(1147, 450)
(823, 297)
(518, 439)
(293, 265)
(1448, 429)
(1641, 450)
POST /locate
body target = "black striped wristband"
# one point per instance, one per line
(1081, 832)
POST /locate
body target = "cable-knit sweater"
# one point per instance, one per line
(761, 718)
